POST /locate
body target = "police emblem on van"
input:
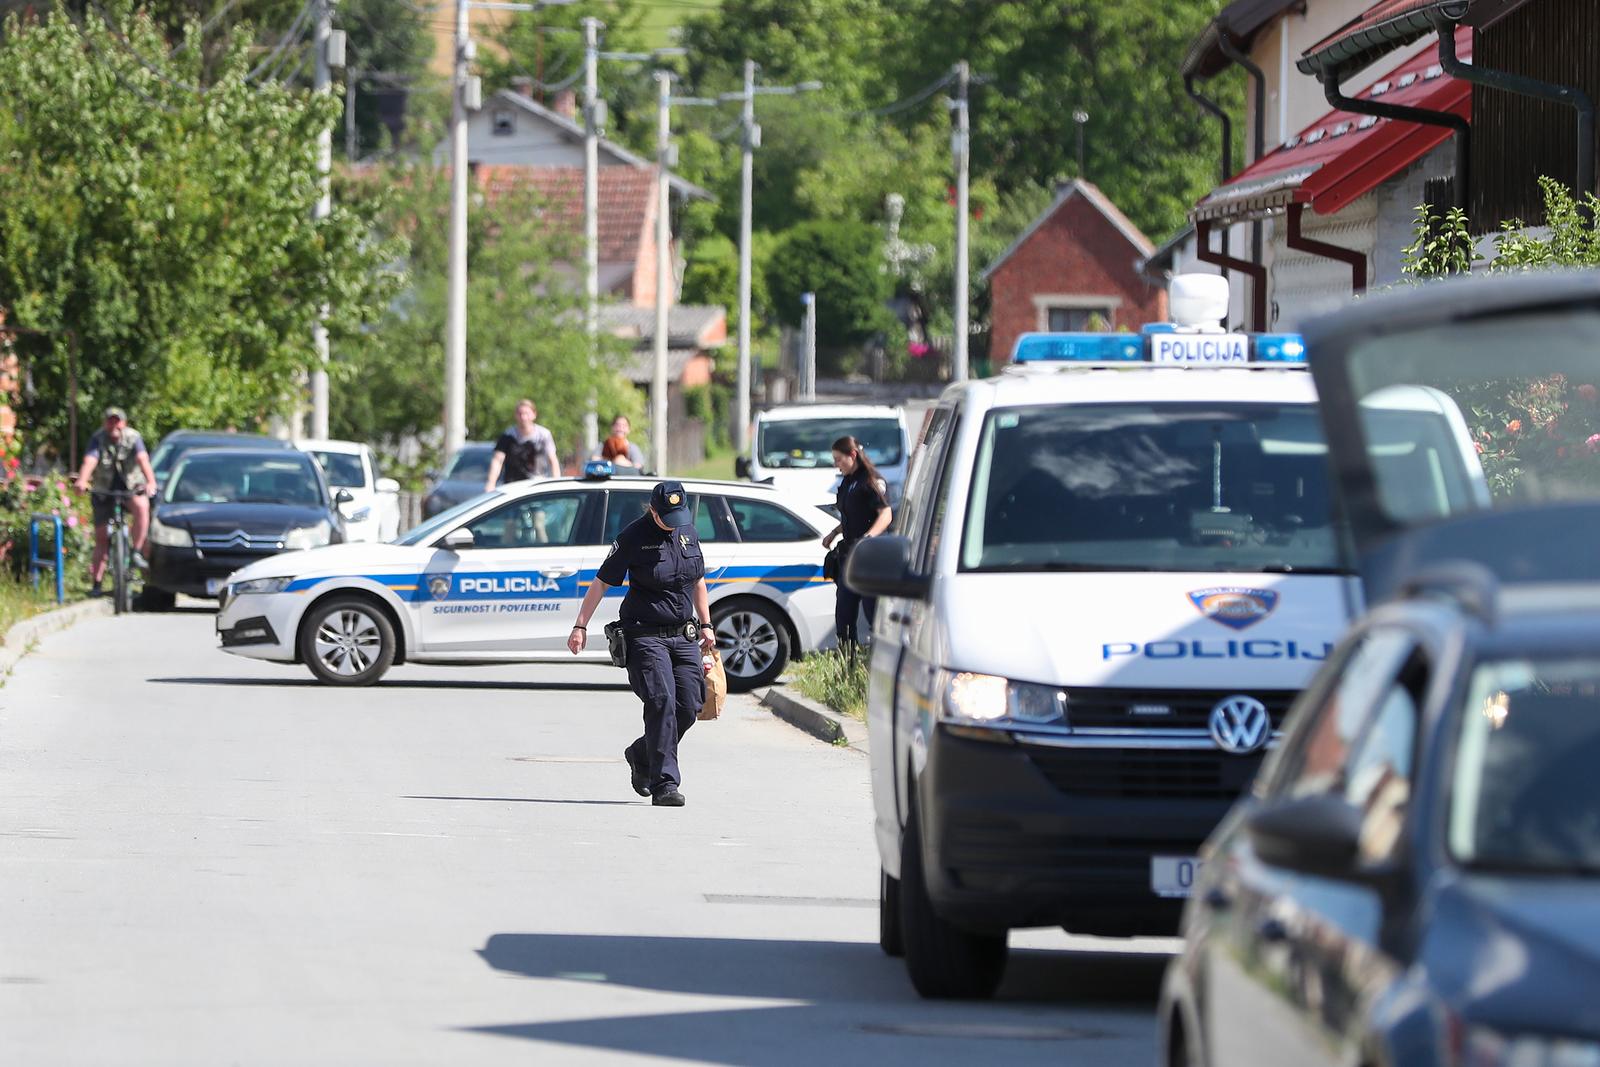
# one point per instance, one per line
(439, 586)
(1235, 608)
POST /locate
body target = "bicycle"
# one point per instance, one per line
(118, 549)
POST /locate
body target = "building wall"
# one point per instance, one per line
(1305, 285)
(1398, 199)
(1076, 253)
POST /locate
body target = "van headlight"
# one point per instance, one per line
(990, 699)
(169, 536)
(308, 536)
(259, 585)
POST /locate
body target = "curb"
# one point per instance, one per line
(816, 720)
(20, 638)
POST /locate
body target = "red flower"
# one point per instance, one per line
(1514, 426)
(1589, 393)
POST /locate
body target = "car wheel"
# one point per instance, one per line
(889, 915)
(944, 961)
(753, 640)
(153, 599)
(347, 640)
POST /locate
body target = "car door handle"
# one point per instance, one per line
(1272, 931)
(895, 616)
(1217, 899)
(559, 572)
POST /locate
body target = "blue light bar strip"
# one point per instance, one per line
(1277, 348)
(1078, 348)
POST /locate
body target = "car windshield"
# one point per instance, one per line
(244, 479)
(168, 452)
(1528, 412)
(469, 464)
(809, 442)
(1167, 487)
(344, 469)
(1523, 796)
(448, 519)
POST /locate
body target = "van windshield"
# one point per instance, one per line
(1168, 487)
(809, 442)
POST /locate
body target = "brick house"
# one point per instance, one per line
(1074, 268)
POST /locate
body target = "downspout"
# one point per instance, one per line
(1570, 95)
(1225, 164)
(1238, 58)
(1301, 243)
(1404, 113)
(1254, 271)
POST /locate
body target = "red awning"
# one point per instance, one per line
(1342, 156)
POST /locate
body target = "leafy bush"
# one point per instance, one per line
(23, 496)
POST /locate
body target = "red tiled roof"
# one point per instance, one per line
(625, 201)
(1343, 155)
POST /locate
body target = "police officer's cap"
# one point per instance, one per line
(671, 503)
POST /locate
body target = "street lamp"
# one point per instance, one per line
(1081, 117)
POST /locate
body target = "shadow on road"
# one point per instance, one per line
(529, 800)
(862, 1007)
(416, 683)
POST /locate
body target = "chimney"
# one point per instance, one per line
(523, 85)
(565, 104)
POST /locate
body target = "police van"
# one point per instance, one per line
(1115, 566)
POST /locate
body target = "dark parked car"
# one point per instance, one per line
(176, 443)
(224, 508)
(1415, 879)
(462, 479)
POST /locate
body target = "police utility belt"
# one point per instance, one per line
(617, 634)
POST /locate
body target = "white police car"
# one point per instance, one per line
(498, 579)
(1115, 566)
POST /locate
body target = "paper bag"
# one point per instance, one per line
(716, 688)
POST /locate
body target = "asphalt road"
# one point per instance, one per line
(207, 860)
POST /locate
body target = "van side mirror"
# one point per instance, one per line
(457, 539)
(1317, 835)
(741, 466)
(881, 566)
(342, 496)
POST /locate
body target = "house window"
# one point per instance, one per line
(1069, 320)
(505, 123)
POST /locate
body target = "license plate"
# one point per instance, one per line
(1205, 349)
(214, 586)
(1173, 876)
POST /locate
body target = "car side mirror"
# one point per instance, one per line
(741, 466)
(457, 539)
(1316, 835)
(386, 485)
(881, 566)
(342, 496)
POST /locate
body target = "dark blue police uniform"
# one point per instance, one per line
(860, 501)
(662, 569)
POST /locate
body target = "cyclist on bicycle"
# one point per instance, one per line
(117, 461)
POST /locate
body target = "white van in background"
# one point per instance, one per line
(792, 447)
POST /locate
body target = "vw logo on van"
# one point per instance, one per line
(1240, 725)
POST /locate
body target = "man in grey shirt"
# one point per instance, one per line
(525, 450)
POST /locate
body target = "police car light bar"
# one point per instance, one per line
(1163, 344)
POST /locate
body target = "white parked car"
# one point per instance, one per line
(373, 512)
(498, 579)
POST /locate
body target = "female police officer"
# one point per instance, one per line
(666, 620)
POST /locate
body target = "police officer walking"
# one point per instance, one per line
(666, 619)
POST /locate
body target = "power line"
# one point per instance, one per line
(292, 36)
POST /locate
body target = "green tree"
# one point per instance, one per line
(160, 237)
(525, 328)
(388, 52)
(842, 263)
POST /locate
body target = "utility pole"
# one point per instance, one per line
(960, 143)
(808, 348)
(329, 50)
(455, 334)
(658, 380)
(751, 140)
(1081, 117)
(352, 147)
(593, 117)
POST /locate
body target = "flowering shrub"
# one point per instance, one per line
(1546, 429)
(23, 496)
